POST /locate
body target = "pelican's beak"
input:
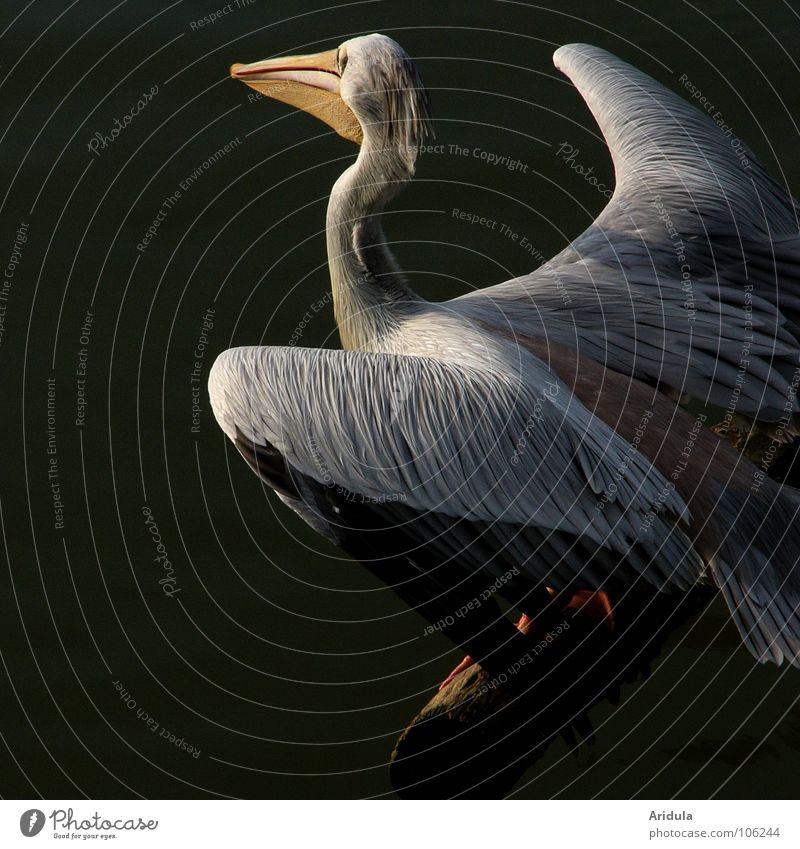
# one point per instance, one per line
(310, 83)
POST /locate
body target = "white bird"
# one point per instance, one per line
(526, 442)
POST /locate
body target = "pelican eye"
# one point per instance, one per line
(341, 60)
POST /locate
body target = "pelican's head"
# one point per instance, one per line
(367, 87)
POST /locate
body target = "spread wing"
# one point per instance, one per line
(690, 276)
(488, 470)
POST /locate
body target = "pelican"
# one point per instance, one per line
(529, 440)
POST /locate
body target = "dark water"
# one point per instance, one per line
(284, 664)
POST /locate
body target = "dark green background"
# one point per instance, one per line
(289, 668)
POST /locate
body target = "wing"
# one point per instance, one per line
(488, 471)
(690, 276)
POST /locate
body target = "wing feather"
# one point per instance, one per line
(473, 463)
(692, 267)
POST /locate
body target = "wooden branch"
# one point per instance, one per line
(477, 736)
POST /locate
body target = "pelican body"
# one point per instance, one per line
(529, 436)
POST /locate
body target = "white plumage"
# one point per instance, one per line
(496, 431)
